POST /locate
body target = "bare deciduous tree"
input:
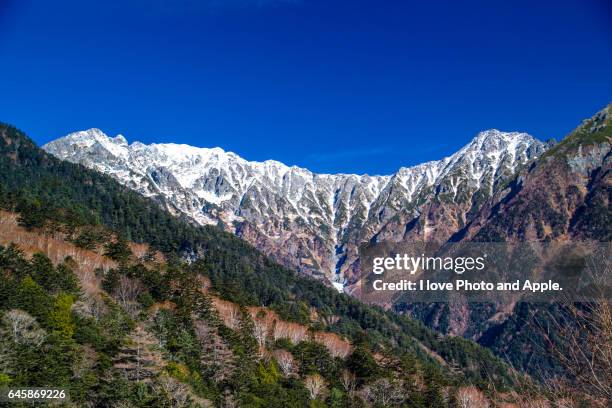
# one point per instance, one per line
(176, 392)
(233, 318)
(228, 312)
(127, 293)
(23, 328)
(91, 306)
(260, 331)
(288, 330)
(385, 393)
(471, 397)
(285, 361)
(315, 384)
(586, 351)
(337, 346)
(348, 381)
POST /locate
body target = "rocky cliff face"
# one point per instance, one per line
(310, 222)
(564, 195)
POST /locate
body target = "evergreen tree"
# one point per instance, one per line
(118, 250)
(31, 214)
(362, 363)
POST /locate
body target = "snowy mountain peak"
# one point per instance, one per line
(306, 220)
(493, 138)
(120, 140)
(88, 136)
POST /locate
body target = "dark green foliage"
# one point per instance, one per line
(118, 250)
(314, 358)
(111, 280)
(526, 333)
(32, 214)
(247, 346)
(433, 398)
(255, 382)
(31, 297)
(52, 279)
(35, 288)
(592, 131)
(90, 237)
(362, 363)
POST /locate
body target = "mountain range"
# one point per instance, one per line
(307, 221)
(499, 187)
(97, 299)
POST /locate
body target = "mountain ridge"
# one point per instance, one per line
(303, 219)
(97, 134)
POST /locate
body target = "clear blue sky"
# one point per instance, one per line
(335, 86)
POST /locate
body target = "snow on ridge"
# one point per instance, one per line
(179, 153)
(211, 185)
(195, 168)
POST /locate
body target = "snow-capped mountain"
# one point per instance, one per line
(312, 222)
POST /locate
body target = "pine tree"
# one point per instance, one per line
(362, 363)
(246, 330)
(32, 298)
(31, 214)
(118, 250)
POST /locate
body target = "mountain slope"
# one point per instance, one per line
(311, 222)
(564, 195)
(49, 192)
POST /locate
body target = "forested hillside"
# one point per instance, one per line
(119, 327)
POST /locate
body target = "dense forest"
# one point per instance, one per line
(151, 335)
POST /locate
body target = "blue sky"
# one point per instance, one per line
(335, 86)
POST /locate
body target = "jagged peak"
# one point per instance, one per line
(184, 152)
(90, 136)
(211, 185)
(495, 135)
(88, 133)
(481, 144)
